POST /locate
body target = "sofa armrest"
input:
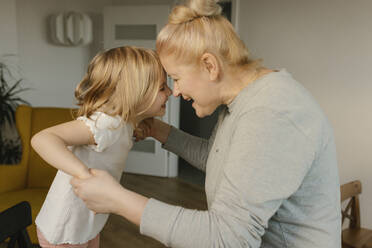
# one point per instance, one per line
(12, 177)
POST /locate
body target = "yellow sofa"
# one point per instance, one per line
(31, 178)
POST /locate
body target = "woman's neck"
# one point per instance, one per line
(234, 83)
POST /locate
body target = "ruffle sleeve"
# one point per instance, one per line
(105, 129)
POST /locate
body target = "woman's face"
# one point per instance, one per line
(158, 107)
(193, 84)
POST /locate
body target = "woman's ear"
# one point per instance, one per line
(211, 65)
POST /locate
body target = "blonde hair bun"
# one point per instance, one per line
(194, 9)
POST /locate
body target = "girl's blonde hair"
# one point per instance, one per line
(198, 27)
(121, 81)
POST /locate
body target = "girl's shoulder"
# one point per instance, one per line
(106, 129)
(102, 120)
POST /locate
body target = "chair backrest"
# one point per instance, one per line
(13, 224)
(350, 191)
(40, 174)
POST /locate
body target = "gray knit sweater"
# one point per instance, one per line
(271, 175)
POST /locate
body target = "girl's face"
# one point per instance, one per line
(193, 84)
(158, 107)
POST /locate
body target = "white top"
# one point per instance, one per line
(64, 218)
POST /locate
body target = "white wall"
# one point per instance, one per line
(53, 71)
(327, 46)
(8, 27)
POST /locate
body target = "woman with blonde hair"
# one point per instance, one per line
(270, 163)
(123, 86)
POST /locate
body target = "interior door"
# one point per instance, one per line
(138, 25)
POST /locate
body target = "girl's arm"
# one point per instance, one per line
(51, 144)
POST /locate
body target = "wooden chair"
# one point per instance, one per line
(354, 236)
(13, 224)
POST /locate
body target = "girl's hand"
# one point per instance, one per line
(100, 191)
(144, 129)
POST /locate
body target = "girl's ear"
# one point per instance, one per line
(210, 64)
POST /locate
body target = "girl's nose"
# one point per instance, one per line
(169, 91)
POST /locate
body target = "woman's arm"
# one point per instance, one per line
(191, 148)
(152, 127)
(51, 144)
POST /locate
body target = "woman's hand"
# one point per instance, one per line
(152, 127)
(100, 191)
(103, 194)
(144, 129)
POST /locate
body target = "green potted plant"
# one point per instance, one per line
(10, 148)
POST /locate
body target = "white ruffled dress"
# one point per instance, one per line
(64, 218)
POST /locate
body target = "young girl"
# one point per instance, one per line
(122, 87)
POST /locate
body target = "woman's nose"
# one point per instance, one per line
(176, 91)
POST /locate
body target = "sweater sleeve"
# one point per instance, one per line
(191, 148)
(267, 160)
